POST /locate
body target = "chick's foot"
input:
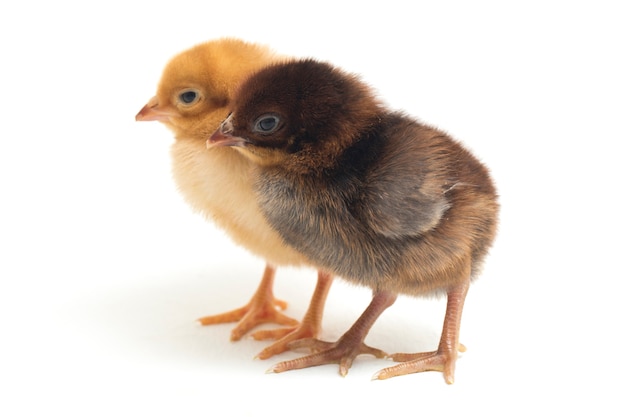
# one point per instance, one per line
(444, 358)
(442, 361)
(348, 347)
(262, 308)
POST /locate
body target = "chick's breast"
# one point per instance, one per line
(217, 183)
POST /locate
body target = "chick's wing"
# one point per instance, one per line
(404, 190)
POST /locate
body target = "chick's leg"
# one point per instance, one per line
(348, 347)
(444, 358)
(308, 328)
(262, 308)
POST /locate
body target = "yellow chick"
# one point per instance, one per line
(192, 100)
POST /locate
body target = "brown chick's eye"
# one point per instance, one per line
(267, 124)
(188, 97)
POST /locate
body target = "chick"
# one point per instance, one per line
(192, 97)
(368, 194)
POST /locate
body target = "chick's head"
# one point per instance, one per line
(196, 86)
(304, 111)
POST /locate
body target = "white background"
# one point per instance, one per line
(103, 268)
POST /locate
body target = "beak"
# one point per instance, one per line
(151, 111)
(223, 136)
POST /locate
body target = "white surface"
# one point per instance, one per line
(104, 269)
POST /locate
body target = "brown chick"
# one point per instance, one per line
(367, 194)
(191, 100)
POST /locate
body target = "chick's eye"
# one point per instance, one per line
(267, 124)
(188, 96)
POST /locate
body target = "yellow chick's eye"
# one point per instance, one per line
(189, 96)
